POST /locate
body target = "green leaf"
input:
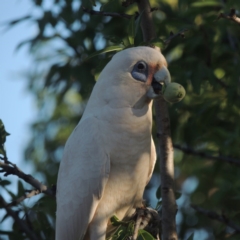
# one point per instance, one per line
(123, 230)
(205, 4)
(105, 50)
(178, 195)
(115, 221)
(158, 43)
(88, 3)
(158, 192)
(11, 193)
(4, 183)
(130, 227)
(53, 70)
(121, 233)
(3, 133)
(93, 2)
(2, 151)
(21, 190)
(108, 6)
(191, 237)
(144, 235)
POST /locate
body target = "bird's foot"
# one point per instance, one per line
(147, 219)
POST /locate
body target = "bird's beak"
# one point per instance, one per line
(160, 78)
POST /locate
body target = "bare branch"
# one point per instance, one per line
(21, 223)
(147, 22)
(31, 193)
(221, 218)
(11, 169)
(109, 14)
(169, 206)
(220, 82)
(232, 16)
(204, 155)
(181, 33)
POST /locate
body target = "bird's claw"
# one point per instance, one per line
(148, 219)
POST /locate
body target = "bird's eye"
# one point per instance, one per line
(141, 66)
(140, 71)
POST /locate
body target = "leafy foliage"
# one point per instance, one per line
(206, 62)
(3, 135)
(124, 230)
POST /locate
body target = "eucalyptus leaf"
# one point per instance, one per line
(144, 235)
(105, 50)
(4, 183)
(3, 133)
(205, 4)
(190, 237)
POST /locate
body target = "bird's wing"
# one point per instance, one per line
(82, 177)
(153, 158)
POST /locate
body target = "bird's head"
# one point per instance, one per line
(134, 76)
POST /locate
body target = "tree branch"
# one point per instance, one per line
(172, 35)
(204, 155)
(9, 168)
(221, 218)
(21, 223)
(169, 207)
(165, 141)
(220, 82)
(232, 16)
(108, 14)
(147, 22)
(31, 193)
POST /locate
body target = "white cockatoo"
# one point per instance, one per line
(110, 156)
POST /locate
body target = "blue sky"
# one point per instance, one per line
(17, 106)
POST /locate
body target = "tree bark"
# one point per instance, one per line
(165, 141)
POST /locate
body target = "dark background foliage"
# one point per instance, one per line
(205, 61)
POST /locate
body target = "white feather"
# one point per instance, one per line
(110, 156)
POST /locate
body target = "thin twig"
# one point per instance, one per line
(31, 193)
(204, 155)
(221, 218)
(21, 223)
(172, 35)
(109, 14)
(220, 82)
(12, 169)
(232, 16)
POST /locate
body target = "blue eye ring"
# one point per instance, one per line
(140, 71)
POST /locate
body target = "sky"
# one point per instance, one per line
(17, 105)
